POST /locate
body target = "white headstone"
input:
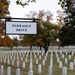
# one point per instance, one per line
(26, 59)
(4, 60)
(56, 55)
(72, 53)
(8, 71)
(30, 54)
(60, 64)
(50, 70)
(38, 53)
(14, 57)
(2, 70)
(27, 55)
(61, 52)
(8, 56)
(23, 65)
(17, 58)
(40, 57)
(58, 59)
(36, 61)
(30, 72)
(69, 56)
(17, 63)
(62, 55)
(71, 65)
(47, 54)
(21, 58)
(64, 71)
(17, 71)
(51, 62)
(13, 62)
(43, 62)
(11, 57)
(66, 61)
(20, 54)
(45, 57)
(39, 68)
(42, 53)
(31, 66)
(74, 62)
(12, 54)
(35, 56)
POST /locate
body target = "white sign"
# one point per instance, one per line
(21, 27)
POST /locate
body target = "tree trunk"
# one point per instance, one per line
(40, 48)
(30, 47)
(46, 49)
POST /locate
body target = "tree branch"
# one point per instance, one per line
(38, 43)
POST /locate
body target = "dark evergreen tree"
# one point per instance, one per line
(67, 32)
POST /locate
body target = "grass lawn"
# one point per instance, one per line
(56, 69)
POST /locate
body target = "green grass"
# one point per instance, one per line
(56, 69)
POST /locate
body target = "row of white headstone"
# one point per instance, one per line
(71, 65)
(11, 61)
(8, 71)
(30, 72)
(8, 57)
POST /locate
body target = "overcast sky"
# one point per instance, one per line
(19, 11)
